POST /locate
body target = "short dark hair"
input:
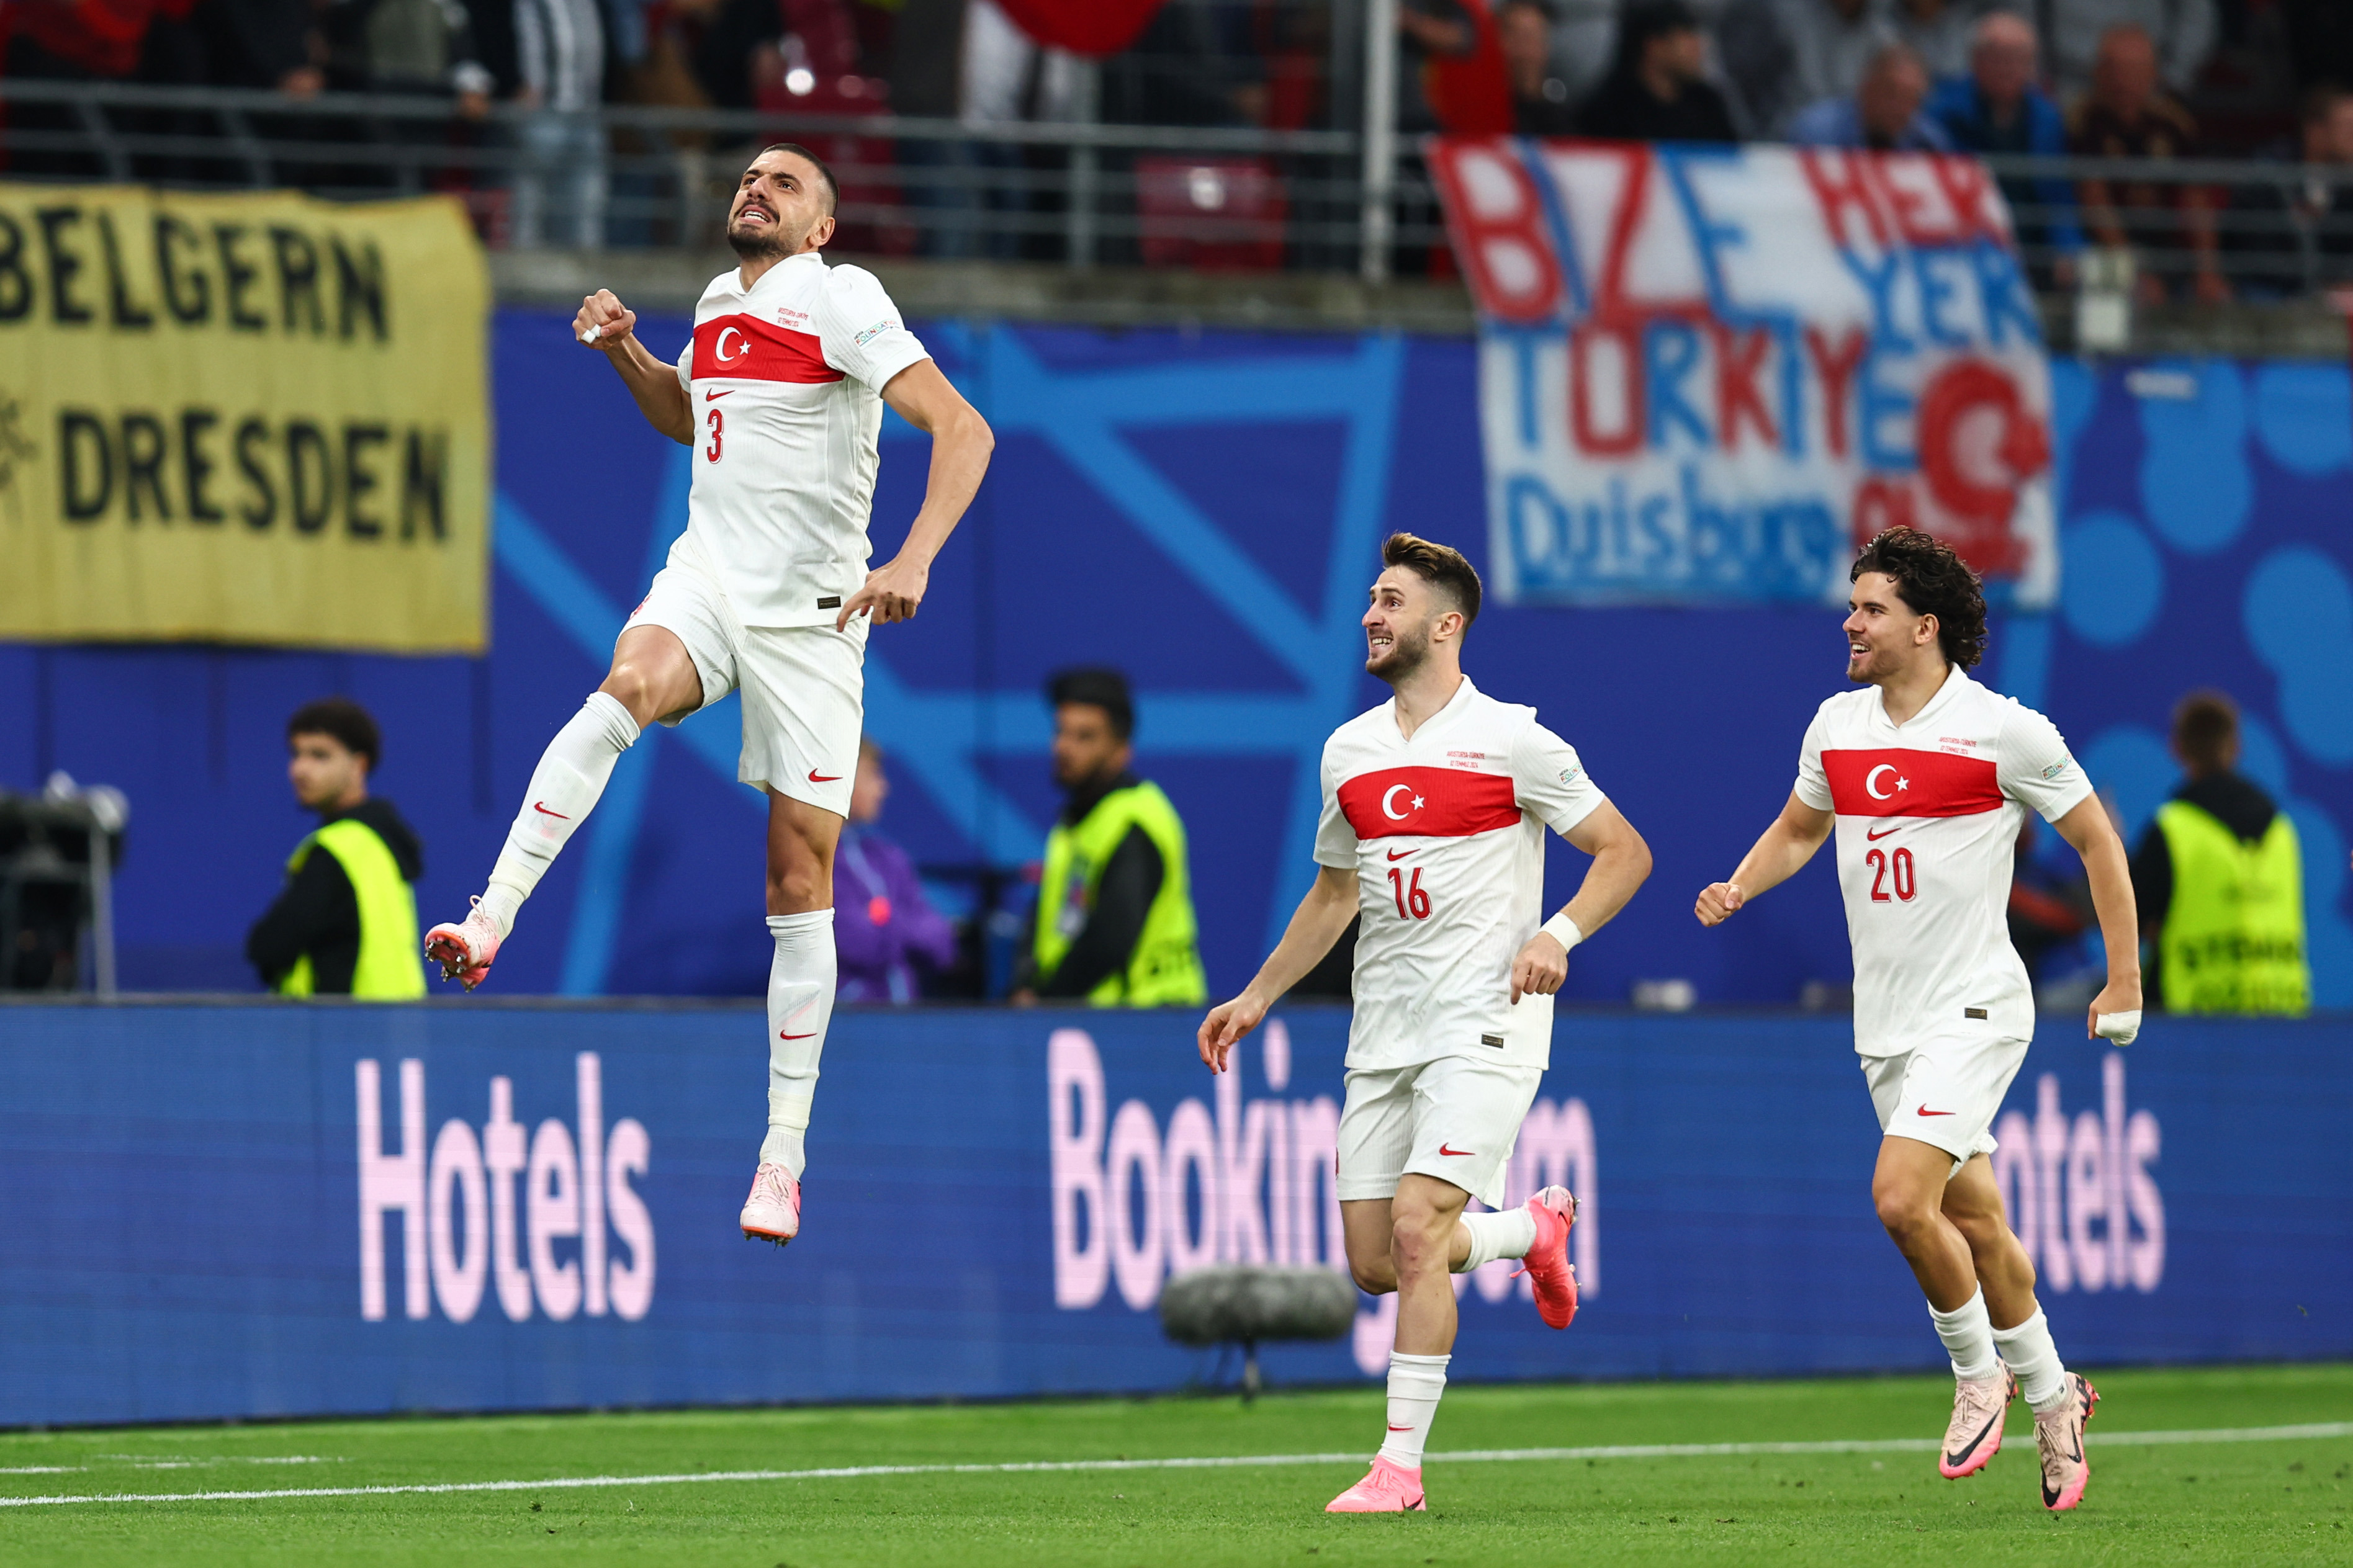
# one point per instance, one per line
(1441, 566)
(1094, 686)
(2205, 729)
(345, 720)
(1932, 580)
(832, 186)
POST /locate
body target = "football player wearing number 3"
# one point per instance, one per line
(779, 396)
(1435, 809)
(1925, 775)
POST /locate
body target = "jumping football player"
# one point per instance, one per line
(1926, 775)
(780, 392)
(1435, 807)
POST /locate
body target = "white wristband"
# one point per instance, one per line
(1563, 929)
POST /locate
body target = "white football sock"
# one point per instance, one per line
(2030, 1354)
(1416, 1382)
(801, 1005)
(1508, 1234)
(563, 789)
(1967, 1334)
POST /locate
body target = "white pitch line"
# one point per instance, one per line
(1460, 1455)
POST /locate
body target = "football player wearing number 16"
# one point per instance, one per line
(780, 394)
(1435, 809)
(1925, 776)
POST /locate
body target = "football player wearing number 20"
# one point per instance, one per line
(1435, 809)
(780, 394)
(1923, 775)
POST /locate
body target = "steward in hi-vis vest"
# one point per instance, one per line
(1115, 924)
(2232, 937)
(1125, 856)
(346, 922)
(2220, 878)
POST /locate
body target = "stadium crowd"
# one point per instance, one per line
(2151, 80)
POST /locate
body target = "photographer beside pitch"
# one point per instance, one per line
(1925, 775)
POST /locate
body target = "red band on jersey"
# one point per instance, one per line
(1892, 782)
(1428, 803)
(746, 348)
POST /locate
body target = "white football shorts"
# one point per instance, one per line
(804, 688)
(1454, 1118)
(1946, 1092)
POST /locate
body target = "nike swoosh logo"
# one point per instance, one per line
(810, 1035)
(545, 812)
(1400, 1428)
(1925, 1111)
(1975, 1441)
(1876, 837)
(710, 396)
(1401, 854)
(1444, 1150)
(817, 777)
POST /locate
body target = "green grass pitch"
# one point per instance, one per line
(2270, 1499)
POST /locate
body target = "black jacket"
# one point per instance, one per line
(1622, 109)
(318, 913)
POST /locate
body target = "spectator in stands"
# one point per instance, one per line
(925, 73)
(1429, 30)
(345, 924)
(883, 926)
(2319, 35)
(2181, 32)
(1540, 105)
(421, 47)
(1114, 924)
(1940, 31)
(2050, 906)
(560, 187)
(2127, 114)
(1782, 54)
(2299, 235)
(1658, 90)
(1885, 114)
(262, 43)
(1998, 108)
(2219, 880)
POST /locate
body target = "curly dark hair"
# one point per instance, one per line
(1934, 582)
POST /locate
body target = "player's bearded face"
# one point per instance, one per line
(770, 218)
(1397, 644)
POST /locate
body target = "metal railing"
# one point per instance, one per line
(1078, 193)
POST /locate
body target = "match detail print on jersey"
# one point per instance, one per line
(1429, 803)
(1896, 782)
(745, 348)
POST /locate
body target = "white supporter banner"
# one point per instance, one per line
(1707, 372)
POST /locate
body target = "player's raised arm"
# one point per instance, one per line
(1621, 864)
(2087, 828)
(610, 327)
(1316, 925)
(1776, 857)
(961, 443)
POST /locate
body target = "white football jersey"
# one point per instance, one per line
(1927, 820)
(1446, 834)
(785, 380)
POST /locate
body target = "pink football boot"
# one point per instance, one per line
(465, 950)
(1550, 1271)
(1386, 1488)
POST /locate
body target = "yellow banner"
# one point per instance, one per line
(256, 418)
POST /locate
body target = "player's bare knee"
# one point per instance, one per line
(1374, 1275)
(629, 685)
(1906, 1212)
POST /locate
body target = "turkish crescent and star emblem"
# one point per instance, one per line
(1871, 782)
(1388, 802)
(719, 349)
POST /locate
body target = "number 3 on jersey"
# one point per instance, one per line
(1884, 869)
(1412, 901)
(718, 426)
